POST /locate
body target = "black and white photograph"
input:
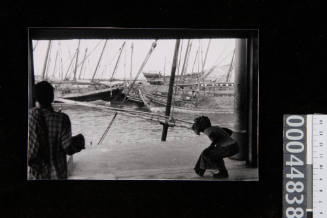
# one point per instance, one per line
(151, 108)
(134, 109)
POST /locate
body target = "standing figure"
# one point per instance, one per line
(222, 146)
(49, 137)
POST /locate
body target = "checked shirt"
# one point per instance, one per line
(59, 139)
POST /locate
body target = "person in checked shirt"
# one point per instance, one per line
(49, 137)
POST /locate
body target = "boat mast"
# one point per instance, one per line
(195, 59)
(96, 68)
(70, 64)
(164, 70)
(170, 91)
(230, 68)
(206, 55)
(180, 57)
(49, 63)
(198, 76)
(62, 69)
(88, 64)
(186, 57)
(154, 44)
(77, 52)
(80, 72)
(115, 68)
(46, 60)
(204, 62)
(179, 64)
(55, 64)
(132, 48)
(125, 56)
(201, 54)
(37, 42)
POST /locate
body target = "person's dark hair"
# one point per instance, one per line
(44, 93)
(201, 123)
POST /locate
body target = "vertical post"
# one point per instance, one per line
(249, 66)
(77, 52)
(253, 110)
(46, 60)
(241, 98)
(31, 101)
(170, 91)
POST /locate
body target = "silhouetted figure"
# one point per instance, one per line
(49, 137)
(222, 146)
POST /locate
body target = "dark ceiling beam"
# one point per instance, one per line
(43, 33)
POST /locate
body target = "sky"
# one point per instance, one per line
(61, 55)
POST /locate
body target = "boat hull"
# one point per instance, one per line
(91, 92)
(158, 104)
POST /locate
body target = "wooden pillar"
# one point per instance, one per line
(241, 98)
(253, 58)
(31, 100)
(170, 91)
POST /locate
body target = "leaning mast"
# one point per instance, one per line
(96, 68)
(77, 52)
(46, 60)
(116, 65)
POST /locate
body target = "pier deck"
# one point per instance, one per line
(171, 160)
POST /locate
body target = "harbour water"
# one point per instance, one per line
(92, 122)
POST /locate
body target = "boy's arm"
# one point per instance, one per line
(67, 139)
(214, 137)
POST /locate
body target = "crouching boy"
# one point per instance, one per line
(222, 146)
